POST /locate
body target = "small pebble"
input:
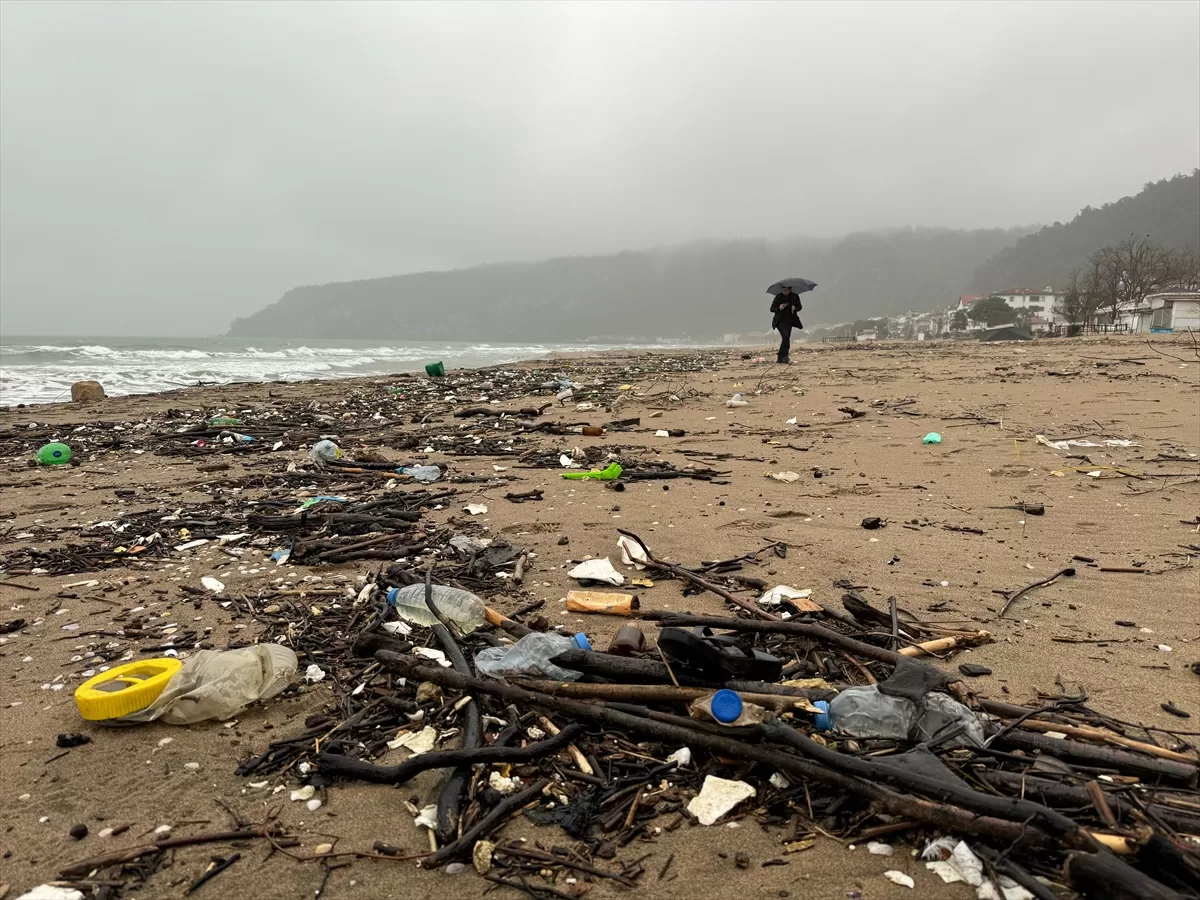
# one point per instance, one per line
(455, 868)
(79, 832)
(193, 766)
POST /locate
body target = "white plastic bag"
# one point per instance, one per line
(216, 684)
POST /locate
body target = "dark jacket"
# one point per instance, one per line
(786, 300)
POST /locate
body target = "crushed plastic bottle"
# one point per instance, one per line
(219, 684)
(323, 451)
(737, 400)
(423, 474)
(864, 712)
(462, 608)
(531, 655)
(943, 715)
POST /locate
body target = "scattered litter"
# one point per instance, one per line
(212, 584)
(476, 509)
(415, 741)
(778, 594)
(598, 570)
(717, 797)
(899, 878)
(786, 477)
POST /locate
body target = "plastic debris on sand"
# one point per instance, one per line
(717, 797)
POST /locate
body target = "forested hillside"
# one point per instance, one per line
(1167, 211)
(694, 292)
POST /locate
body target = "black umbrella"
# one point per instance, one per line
(798, 286)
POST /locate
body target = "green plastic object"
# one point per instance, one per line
(55, 454)
(224, 420)
(612, 473)
(932, 438)
(435, 370)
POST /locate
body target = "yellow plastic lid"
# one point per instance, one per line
(125, 689)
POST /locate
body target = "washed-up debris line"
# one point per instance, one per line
(1044, 800)
(806, 719)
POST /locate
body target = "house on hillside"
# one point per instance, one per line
(1043, 303)
(966, 301)
(1163, 313)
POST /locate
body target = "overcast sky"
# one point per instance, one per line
(166, 166)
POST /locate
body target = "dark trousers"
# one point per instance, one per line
(785, 341)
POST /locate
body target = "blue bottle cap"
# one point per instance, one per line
(391, 595)
(581, 641)
(726, 706)
(822, 720)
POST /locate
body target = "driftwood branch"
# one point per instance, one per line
(348, 767)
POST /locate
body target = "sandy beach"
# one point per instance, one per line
(849, 420)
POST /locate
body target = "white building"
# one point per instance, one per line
(1043, 303)
(1163, 313)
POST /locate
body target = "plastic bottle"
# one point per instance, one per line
(863, 712)
(323, 451)
(211, 684)
(232, 437)
(726, 707)
(462, 608)
(627, 641)
(531, 655)
(423, 474)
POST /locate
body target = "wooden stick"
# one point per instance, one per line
(1087, 733)
(1098, 800)
(656, 693)
(1016, 595)
(946, 643)
(350, 767)
(129, 854)
(580, 762)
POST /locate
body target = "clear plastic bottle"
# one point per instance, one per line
(462, 608)
(863, 712)
(216, 684)
(531, 656)
(423, 474)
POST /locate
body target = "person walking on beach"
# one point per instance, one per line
(785, 307)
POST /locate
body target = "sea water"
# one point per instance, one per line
(42, 369)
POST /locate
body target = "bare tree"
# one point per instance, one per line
(1122, 276)
(1073, 307)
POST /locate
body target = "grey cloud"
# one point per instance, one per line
(164, 167)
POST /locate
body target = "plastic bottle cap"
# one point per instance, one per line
(125, 689)
(726, 706)
(391, 595)
(822, 720)
(581, 641)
